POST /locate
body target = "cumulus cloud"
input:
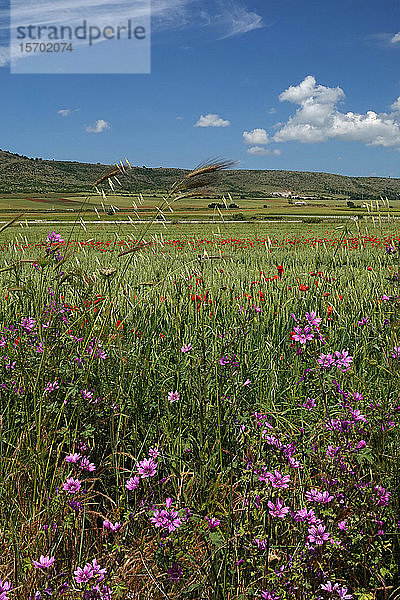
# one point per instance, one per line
(395, 39)
(318, 118)
(396, 105)
(100, 126)
(258, 137)
(212, 120)
(260, 151)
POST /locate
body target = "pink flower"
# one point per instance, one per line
(317, 496)
(357, 416)
(313, 319)
(110, 526)
(154, 452)
(317, 535)
(277, 479)
(343, 360)
(342, 525)
(309, 404)
(5, 587)
(147, 468)
(383, 495)
(213, 522)
(278, 510)
(83, 575)
(167, 520)
(44, 562)
(328, 587)
(132, 483)
(158, 518)
(303, 335)
(50, 387)
(172, 520)
(72, 486)
(361, 444)
(173, 396)
(72, 458)
(97, 570)
(186, 348)
(86, 465)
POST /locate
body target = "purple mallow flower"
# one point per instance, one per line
(113, 527)
(54, 237)
(326, 361)
(154, 452)
(166, 520)
(309, 404)
(343, 360)
(173, 396)
(213, 522)
(50, 387)
(5, 587)
(267, 595)
(383, 496)
(303, 335)
(86, 465)
(276, 479)
(278, 510)
(28, 324)
(44, 562)
(317, 534)
(313, 319)
(147, 468)
(316, 496)
(73, 458)
(363, 321)
(132, 483)
(72, 486)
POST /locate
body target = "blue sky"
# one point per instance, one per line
(274, 85)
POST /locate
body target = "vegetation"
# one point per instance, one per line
(29, 175)
(209, 417)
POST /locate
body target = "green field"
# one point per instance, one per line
(168, 422)
(53, 206)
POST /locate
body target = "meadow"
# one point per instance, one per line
(200, 412)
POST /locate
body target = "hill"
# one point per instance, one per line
(21, 174)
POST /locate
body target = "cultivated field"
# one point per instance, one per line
(67, 207)
(200, 411)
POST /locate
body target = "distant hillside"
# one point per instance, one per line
(21, 174)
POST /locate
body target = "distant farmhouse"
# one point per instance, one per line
(301, 200)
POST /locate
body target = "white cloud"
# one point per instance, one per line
(272, 111)
(98, 127)
(240, 20)
(396, 105)
(395, 39)
(230, 16)
(64, 112)
(212, 120)
(258, 137)
(318, 118)
(259, 151)
(4, 56)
